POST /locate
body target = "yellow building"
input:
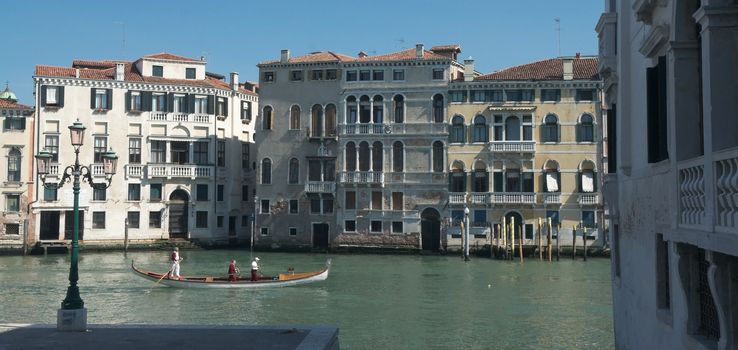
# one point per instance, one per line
(526, 143)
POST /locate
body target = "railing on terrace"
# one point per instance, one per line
(362, 177)
(588, 198)
(419, 128)
(179, 170)
(97, 170)
(512, 146)
(513, 198)
(54, 170)
(417, 178)
(179, 117)
(726, 189)
(320, 187)
(479, 197)
(691, 191)
(134, 170)
(457, 197)
(552, 198)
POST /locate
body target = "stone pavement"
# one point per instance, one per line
(177, 337)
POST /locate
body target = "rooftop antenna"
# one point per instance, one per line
(123, 49)
(401, 42)
(558, 35)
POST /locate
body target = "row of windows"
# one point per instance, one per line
(155, 193)
(158, 71)
(514, 180)
(479, 218)
(513, 128)
(375, 226)
(517, 95)
(15, 122)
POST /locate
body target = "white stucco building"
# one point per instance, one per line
(184, 138)
(671, 83)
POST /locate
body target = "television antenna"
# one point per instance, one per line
(558, 35)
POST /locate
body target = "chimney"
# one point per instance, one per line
(568, 63)
(202, 58)
(285, 57)
(234, 81)
(362, 54)
(469, 69)
(418, 50)
(76, 73)
(120, 71)
(579, 55)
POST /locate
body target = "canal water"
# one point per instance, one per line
(377, 301)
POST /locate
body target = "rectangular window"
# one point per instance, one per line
(158, 151)
(98, 219)
(316, 74)
(663, 292)
(134, 192)
(458, 96)
(328, 205)
(154, 219)
(100, 147)
(314, 205)
(12, 229)
(480, 218)
(134, 219)
(265, 206)
(528, 95)
(512, 181)
(294, 206)
(201, 105)
(550, 95)
(585, 95)
(438, 73)
(397, 200)
(378, 74)
(12, 202)
(201, 192)
(269, 77)
(200, 152)
(244, 220)
(364, 75)
(14, 122)
(155, 192)
(99, 194)
(296, 75)
(134, 101)
(554, 215)
(244, 193)
(479, 96)
(134, 151)
(351, 75)
(159, 102)
(219, 221)
(398, 74)
(331, 74)
(100, 99)
(201, 219)
(588, 218)
(52, 95)
(189, 73)
(376, 200)
(245, 157)
(221, 106)
(179, 104)
(497, 181)
(497, 96)
(220, 192)
(457, 216)
(349, 226)
(293, 231)
(514, 95)
(221, 153)
(397, 227)
(350, 201)
(264, 231)
(157, 71)
(375, 226)
(527, 128)
(246, 111)
(528, 182)
(50, 194)
(52, 145)
(656, 128)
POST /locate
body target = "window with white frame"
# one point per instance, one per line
(100, 147)
(14, 165)
(179, 104)
(586, 128)
(52, 95)
(12, 202)
(101, 99)
(265, 207)
(134, 101)
(159, 102)
(134, 150)
(201, 105)
(550, 129)
(98, 219)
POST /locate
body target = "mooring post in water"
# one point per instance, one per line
(549, 230)
(558, 247)
(540, 241)
(125, 236)
(512, 238)
(584, 240)
(573, 242)
(520, 243)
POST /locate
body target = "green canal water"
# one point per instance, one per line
(377, 301)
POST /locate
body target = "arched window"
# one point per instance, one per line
(377, 156)
(351, 110)
(266, 171)
(398, 157)
(14, 165)
(399, 108)
(480, 129)
(364, 109)
(587, 177)
(586, 128)
(457, 129)
(266, 118)
(512, 128)
(350, 156)
(330, 120)
(437, 157)
(317, 121)
(378, 105)
(457, 177)
(550, 129)
(364, 156)
(438, 108)
(480, 177)
(294, 171)
(553, 177)
(295, 117)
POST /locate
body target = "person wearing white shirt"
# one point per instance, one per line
(255, 269)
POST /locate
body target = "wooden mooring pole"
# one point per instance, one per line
(540, 240)
(573, 242)
(503, 246)
(520, 243)
(548, 236)
(125, 236)
(584, 240)
(558, 247)
(512, 238)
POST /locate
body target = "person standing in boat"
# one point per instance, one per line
(232, 271)
(175, 258)
(255, 269)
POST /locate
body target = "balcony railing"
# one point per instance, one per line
(134, 170)
(417, 178)
(512, 146)
(54, 170)
(479, 198)
(364, 129)
(691, 191)
(457, 198)
(552, 198)
(362, 177)
(97, 170)
(726, 188)
(179, 117)
(419, 128)
(320, 187)
(588, 198)
(179, 171)
(513, 198)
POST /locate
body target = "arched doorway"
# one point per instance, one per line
(430, 229)
(518, 222)
(178, 214)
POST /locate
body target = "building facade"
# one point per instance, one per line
(525, 143)
(670, 87)
(16, 174)
(184, 138)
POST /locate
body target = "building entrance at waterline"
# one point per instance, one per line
(69, 224)
(518, 222)
(320, 236)
(430, 229)
(49, 225)
(178, 214)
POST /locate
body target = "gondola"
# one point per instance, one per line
(289, 278)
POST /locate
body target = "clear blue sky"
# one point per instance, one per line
(235, 35)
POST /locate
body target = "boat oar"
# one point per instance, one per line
(162, 277)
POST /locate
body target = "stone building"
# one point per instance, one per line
(16, 174)
(670, 86)
(184, 138)
(526, 143)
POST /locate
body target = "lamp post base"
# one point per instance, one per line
(74, 320)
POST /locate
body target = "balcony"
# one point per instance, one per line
(179, 117)
(178, 171)
(588, 199)
(362, 177)
(606, 31)
(419, 129)
(552, 198)
(726, 189)
(513, 198)
(512, 146)
(320, 187)
(457, 198)
(364, 129)
(134, 170)
(417, 178)
(97, 170)
(479, 198)
(53, 170)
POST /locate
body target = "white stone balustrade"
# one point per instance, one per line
(691, 192)
(512, 146)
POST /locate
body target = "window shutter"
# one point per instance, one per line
(23, 123)
(170, 102)
(579, 181)
(43, 95)
(109, 97)
(60, 97)
(577, 132)
(127, 102)
(190, 103)
(594, 182)
(225, 107)
(662, 123)
(92, 98)
(6, 123)
(497, 181)
(146, 100)
(211, 104)
(651, 112)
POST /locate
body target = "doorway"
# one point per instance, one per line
(69, 224)
(320, 236)
(430, 229)
(518, 222)
(232, 226)
(178, 214)
(49, 226)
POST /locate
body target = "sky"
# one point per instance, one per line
(236, 35)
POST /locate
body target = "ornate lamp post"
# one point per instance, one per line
(73, 316)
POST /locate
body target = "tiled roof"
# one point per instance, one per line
(404, 55)
(452, 47)
(101, 64)
(585, 68)
(329, 56)
(321, 56)
(8, 104)
(169, 56)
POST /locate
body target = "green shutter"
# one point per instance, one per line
(60, 91)
(109, 97)
(127, 102)
(92, 98)
(43, 96)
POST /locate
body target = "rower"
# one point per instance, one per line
(232, 271)
(255, 269)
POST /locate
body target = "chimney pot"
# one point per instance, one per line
(119, 71)
(234, 81)
(419, 50)
(568, 68)
(469, 69)
(284, 56)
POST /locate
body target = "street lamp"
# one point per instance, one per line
(465, 235)
(73, 316)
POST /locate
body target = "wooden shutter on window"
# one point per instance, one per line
(652, 75)
(662, 129)
(127, 102)
(23, 123)
(190, 103)
(6, 123)
(211, 104)
(43, 95)
(109, 97)
(170, 102)
(60, 96)
(225, 106)
(146, 100)
(92, 98)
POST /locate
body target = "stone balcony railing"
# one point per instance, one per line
(479, 198)
(362, 177)
(364, 129)
(54, 170)
(726, 189)
(417, 178)
(97, 170)
(513, 198)
(588, 199)
(179, 117)
(512, 146)
(134, 170)
(320, 187)
(552, 198)
(457, 197)
(178, 171)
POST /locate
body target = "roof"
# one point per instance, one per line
(441, 48)
(404, 55)
(8, 104)
(585, 68)
(329, 56)
(169, 56)
(320, 56)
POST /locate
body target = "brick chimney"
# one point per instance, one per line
(234, 81)
(285, 56)
(418, 50)
(568, 63)
(120, 71)
(469, 69)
